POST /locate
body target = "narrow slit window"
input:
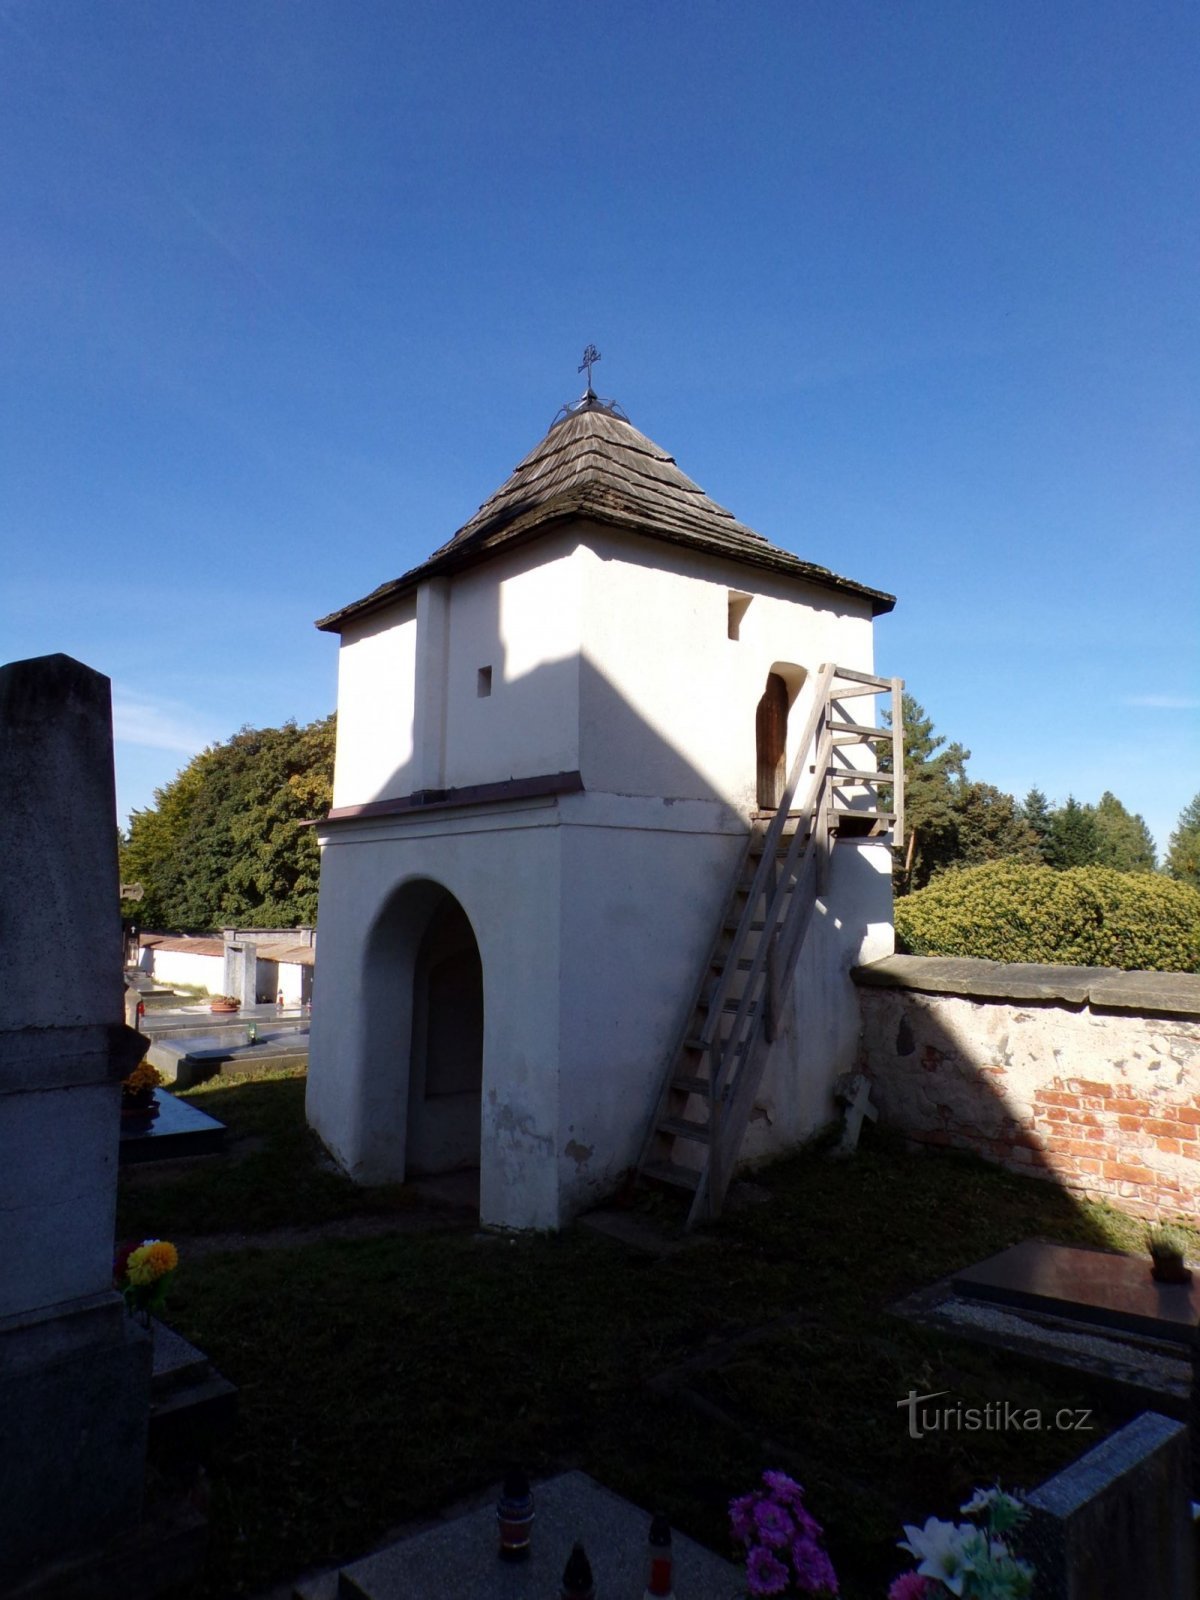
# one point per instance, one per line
(738, 606)
(483, 682)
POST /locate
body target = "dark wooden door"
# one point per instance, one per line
(770, 727)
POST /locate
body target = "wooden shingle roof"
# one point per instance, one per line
(595, 464)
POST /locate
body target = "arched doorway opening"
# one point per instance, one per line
(784, 682)
(770, 737)
(422, 1000)
(445, 1077)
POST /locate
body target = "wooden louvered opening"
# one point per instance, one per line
(770, 729)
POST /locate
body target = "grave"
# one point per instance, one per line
(179, 1130)
(75, 1369)
(188, 1057)
(458, 1557)
(1087, 1286)
(192, 1047)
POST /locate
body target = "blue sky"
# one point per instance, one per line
(286, 289)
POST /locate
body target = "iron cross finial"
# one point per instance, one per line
(590, 356)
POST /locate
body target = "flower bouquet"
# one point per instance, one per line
(964, 1559)
(784, 1549)
(139, 1105)
(143, 1273)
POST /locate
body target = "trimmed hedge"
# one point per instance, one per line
(1081, 917)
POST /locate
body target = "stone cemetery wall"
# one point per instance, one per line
(1084, 1075)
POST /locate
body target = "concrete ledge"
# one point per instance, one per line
(1103, 988)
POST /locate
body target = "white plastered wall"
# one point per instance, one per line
(503, 868)
(670, 706)
(643, 883)
(519, 616)
(377, 665)
(177, 966)
(410, 712)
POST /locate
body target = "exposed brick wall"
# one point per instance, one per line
(1105, 1101)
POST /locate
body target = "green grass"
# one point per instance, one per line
(382, 1379)
(269, 1178)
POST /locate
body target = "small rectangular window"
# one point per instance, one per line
(483, 682)
(738, 606)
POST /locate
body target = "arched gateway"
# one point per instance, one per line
(423, 1025)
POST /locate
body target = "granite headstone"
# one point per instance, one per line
(74, 1371)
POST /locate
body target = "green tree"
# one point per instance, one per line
(1123, 840)
(1035, 814)
(223, 843)
(1073, 840)
(933, 778)
(991, 827)
(1183, 854)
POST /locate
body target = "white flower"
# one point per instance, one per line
(942, 1552)
(993, 1501)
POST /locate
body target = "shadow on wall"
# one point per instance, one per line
(1102, 1099)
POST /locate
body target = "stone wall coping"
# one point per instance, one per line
(1104, 988)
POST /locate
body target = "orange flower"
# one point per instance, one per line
(152, 1261)
(143, 1076)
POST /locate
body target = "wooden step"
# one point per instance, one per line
(848, 775)
(860, 730)
(759, 850)
(728, 1007)
(687, 1085)
(683, 1129)
(755, 927)
(671, 1172)
(719, 963)
(698, 1044)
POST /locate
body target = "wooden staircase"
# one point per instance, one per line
(718, 1061)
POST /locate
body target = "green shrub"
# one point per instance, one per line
(1082, 917)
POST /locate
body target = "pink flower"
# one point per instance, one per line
(764, 1574)
(785, 1488)
(741, 1517)
(814, 1570)
(773, 1525)
(912, 1586)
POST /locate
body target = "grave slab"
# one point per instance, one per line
(191, 1060)
(191, 1404)
(459, 1557)
(1091, 1286)
(179, 1129)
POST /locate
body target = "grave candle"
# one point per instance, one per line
(577, 1582)
(514, 1514)
(658, 1566)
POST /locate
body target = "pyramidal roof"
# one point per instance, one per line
(594, 463)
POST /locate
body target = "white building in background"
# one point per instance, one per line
(552, 736)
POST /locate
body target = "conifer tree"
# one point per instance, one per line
(1123, 841)
(1035, 814)
(1073, 838)
(1183, 854)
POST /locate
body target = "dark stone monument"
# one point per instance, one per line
(74, 1369)
(1117, 1523)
